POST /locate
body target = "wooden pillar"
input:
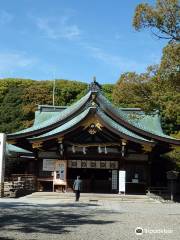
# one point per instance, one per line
(149, 151)
(36, 168)
(123, 153)
(67, 173)
(150, 156)
(2, 162)
(122, 181)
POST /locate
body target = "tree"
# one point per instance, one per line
(11, 111)
(19, 99)
(169, 70)
(108, 90)
(166, 87)
(133, 90)
(152, 91)
(163, 20)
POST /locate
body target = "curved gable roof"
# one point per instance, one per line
(146, 127)
(66, 127)
(143, 127)
(62, 116)
(107, 122)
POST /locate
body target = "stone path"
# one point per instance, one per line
(45, 218)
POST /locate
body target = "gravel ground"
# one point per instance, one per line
(55, 219)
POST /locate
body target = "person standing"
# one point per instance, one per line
(77, 187)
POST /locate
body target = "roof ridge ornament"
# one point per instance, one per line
(94, 86)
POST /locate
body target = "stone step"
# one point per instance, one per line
(88, 197)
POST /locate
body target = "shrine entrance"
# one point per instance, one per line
(96, 176)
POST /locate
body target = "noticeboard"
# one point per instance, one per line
(114, 179)
(49, 164)
(122, 181)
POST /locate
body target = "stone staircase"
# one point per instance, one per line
(88, 197)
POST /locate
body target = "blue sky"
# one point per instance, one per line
(43, 39)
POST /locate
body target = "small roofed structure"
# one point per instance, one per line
(94, 139)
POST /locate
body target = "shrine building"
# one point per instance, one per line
(95, 140)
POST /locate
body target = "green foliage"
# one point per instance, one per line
(68, 91)
(163, 20)
(132, 90)
(169, 69)
(173, 157)
(157, 89)
(108, 90)
(166, 87)
(10, 110)
(19, 99)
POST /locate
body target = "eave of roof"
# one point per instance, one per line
(66, 127)
(136, 126)
(52, 121)
(121, 130)
(107, 122)
(143, 127)
(11, 150)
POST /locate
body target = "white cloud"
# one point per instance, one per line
(5, 17)
(12, 61)
(56, 28)
(115, 61)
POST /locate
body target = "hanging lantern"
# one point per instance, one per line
(105, 150)
(61, 149)
(84, 150)
(123, 151)
(123, 147)
(73, 149)
(99, 149)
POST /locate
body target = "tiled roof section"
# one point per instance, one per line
(66, 126)
(75, 121)
(11, 149)
(119, 128)
(151, 121)
(41, 117)
(145, 125)
(61, 116)
(51, 108)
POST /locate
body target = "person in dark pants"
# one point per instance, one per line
(77, 187)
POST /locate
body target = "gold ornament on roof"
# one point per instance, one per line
(92, 121)
(147, 148)
(37, 145)
(60, 139)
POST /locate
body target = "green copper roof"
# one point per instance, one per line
(131, 122)
(65, 126)
(150, 121)
(73, 122)
(41, 117)
(11, 149)
(119, 128)
(148, 124)
(46, 112)
(61, 116)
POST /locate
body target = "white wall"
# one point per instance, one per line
(2, 161)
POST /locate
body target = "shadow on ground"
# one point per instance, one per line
(44, 218)
(5, 238)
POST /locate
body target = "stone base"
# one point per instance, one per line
(1, 190)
